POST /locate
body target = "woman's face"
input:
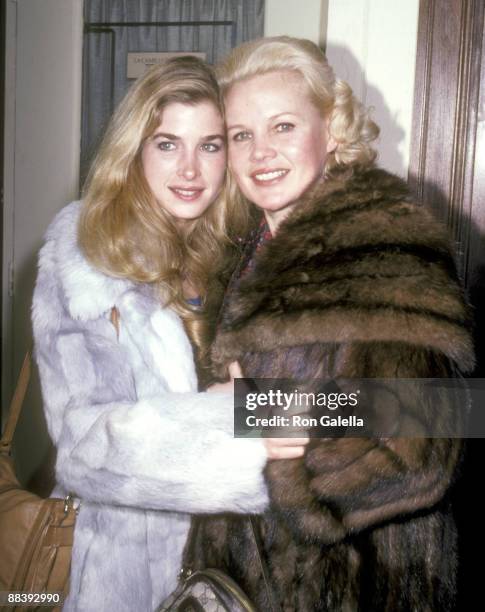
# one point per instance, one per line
(278, 141)
(185, 160)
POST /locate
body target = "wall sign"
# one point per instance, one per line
(138, 63)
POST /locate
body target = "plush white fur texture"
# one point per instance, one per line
(136, 443)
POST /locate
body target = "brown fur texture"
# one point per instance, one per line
(358, 282)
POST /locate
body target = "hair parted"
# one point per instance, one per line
(123, 231)
(348, 121)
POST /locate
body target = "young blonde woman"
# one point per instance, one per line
(345, 278)
(116, 316)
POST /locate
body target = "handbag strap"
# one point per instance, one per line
(16, 404)
(21, 390)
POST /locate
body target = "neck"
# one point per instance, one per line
(274, 218)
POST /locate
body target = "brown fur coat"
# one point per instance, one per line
(358, 282)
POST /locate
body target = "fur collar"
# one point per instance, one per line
(89, 293)
(355, 261)
(153, 335)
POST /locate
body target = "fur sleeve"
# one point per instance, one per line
(174, 452)
(165, 450)
(345, 485)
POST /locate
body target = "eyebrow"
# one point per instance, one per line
(238, 126)
(169, 136)
(166, 135)
(272, 118)
(213, 137)
(284, 113)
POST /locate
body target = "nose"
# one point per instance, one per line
(262, 148)
(189, 166)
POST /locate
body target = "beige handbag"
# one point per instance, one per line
(207, 591)
(212, 590)
(36, 534)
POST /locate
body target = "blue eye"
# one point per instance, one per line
(284, 127)
(241, 136)
(166, 145)
(210, 147)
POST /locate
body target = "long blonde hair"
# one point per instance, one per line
(123, 231)
(349, 123)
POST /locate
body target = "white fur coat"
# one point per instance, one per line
(136, 443)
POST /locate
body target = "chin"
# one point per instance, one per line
(273, 206)
(190, 217)
(273, 202)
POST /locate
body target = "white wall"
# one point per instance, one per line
(43, 110)
(300, 18)
(372, 45)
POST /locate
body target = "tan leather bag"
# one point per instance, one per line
(36, 534)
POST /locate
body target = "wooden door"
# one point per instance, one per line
(447, 172)
(447, 162)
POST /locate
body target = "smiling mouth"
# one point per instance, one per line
(268, 177)
(187, 195)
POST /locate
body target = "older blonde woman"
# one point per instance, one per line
(115, 322)
(345, 277)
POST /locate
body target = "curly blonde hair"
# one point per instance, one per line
(348, 121)
(123, 231)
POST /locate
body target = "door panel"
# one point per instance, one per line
(447, 171)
